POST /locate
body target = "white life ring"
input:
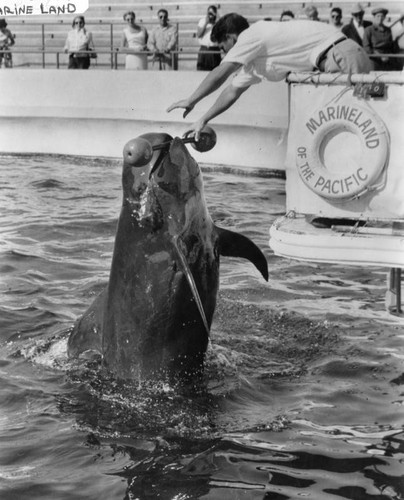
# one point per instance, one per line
(321, 127)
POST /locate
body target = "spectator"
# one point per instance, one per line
(162, 41)
(79, 42)
(311, 13)
(398, 35)
(356, 28)
(397, 30)
(6, 41)
(270, 51)
(209, 53)
(134, 40)
(287, 15)
(378, 39)
(336, 17)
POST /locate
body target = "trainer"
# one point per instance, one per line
(270, 50)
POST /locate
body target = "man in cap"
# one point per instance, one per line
(270, 51)
(378, 39)
(356, 28)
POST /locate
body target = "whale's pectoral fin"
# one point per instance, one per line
(236, 245)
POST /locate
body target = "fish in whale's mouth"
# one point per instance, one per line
(178, 152)
(176, 172)
(161, 188)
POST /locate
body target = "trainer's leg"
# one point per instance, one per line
(347, 57)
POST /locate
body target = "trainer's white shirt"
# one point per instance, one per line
(271, 50)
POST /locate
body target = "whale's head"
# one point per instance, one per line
(160, 178)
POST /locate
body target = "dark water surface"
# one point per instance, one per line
(305, 375)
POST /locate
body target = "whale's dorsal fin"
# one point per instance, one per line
(236, 245)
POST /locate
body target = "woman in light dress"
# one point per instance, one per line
(134, 39)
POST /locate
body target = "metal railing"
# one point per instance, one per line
(116, 52)
(114, 55)
(46, 32)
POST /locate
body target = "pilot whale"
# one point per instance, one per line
(154, 316)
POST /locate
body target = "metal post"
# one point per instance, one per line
(57, 60)
(398, 290)
(43, 45)
(111, 30)
(175, 61)
(393, 295)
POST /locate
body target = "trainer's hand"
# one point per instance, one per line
(195, 130)
(182, 104)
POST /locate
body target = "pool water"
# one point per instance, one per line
(304, 393)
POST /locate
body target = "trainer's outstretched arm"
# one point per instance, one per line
(212, 82)
(226, 99)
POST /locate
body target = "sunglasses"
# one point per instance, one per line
(163, 16)
(78, 22)
(335, 16)
(129, 19)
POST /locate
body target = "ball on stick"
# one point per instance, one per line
(138, 152)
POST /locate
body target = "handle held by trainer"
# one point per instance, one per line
(139, 152)
(207, 141)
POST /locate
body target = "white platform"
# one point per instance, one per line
(371, 245)
(365, 228)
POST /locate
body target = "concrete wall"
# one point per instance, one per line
(95, 113)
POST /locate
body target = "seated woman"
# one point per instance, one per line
(134, 40)
(78, 42)
(378, 39)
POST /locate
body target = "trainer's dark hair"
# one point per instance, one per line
(337, 10)
(287, 13)
(228, 24)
